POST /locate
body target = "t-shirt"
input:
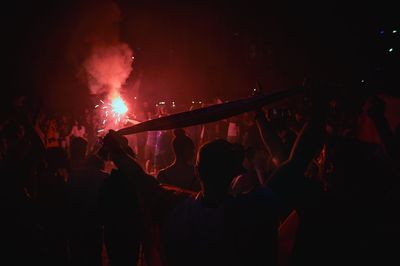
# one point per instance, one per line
(241, 231)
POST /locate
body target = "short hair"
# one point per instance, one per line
(218, 162)
(182, 143)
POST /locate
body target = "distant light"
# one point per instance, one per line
(390, 50)
(133, 57)
(192, 101)
(200, 102)
(362, 81)
(134, 98)
(96, 106)
(382, 32)
(394, 31)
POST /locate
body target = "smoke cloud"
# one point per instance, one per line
(102, 60)
(108, 68)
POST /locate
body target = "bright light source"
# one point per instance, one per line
(390, 50)
(394, 31)
(119, 106)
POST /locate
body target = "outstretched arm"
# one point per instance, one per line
(288, 182)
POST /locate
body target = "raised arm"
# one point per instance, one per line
(288, 182)
(157, 199)
(269, 137)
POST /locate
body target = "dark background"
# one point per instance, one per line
(186, 50)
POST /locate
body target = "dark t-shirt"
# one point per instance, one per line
(241, 231)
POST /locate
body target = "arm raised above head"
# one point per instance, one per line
(288, 181)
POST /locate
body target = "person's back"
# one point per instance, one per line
(217, 229)
(86, 231)
(121, 220)
(78, 153)
(240, 231)
(181, 173)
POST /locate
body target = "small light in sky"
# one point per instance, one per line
(390, 50)
(362, 81)
(394, 31)
(192, 101)
(381, 32)
(134, 98)
(133, 57)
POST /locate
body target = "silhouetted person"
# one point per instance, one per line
(86, 239)
(78, 130)
(181, 172)
(120, 216)
(78, 152)
(248, 181)
(52, 201)
(18, 223)
(213, 228)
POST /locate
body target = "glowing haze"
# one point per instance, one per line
(108, 68)
(104, 61)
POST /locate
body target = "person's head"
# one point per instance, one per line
(78, 149)
(218, 163)
(183, 146)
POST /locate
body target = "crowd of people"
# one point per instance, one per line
(293, 184)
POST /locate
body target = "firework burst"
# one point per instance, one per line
(113, 113)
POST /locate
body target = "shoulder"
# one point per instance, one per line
(260, 198)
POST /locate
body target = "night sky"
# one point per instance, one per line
(186, 51)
